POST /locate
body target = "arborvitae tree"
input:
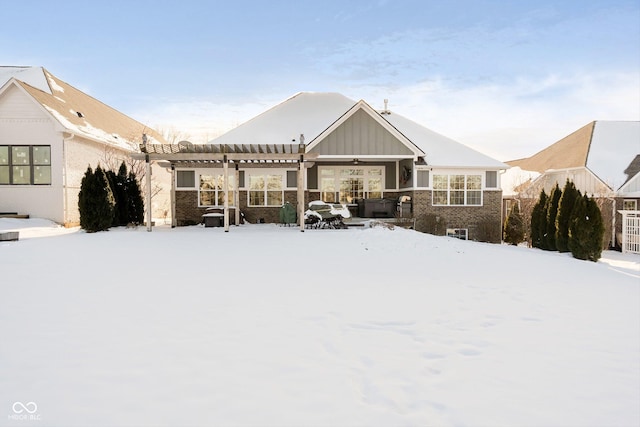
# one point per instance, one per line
(565, 206)
(539, 221)
(514, 226)
(121, 195)
(586, 230)
(552, 212)
(84, 198)
(135, 202)
(95, 201)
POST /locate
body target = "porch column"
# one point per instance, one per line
(301, 193)
(149, 216)
(236, 195)
(174, 221)
(225, 166)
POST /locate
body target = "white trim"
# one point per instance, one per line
(448, 190)
(362, 105)
(365, 177)
(630, 231)
(627, 184)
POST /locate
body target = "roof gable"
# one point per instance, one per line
(82, 114)
(358, 133)
(606, 148)
(614, 147)
(305, 113)
(569, 152)
(33, 76)
(17, 103)
(321, 117)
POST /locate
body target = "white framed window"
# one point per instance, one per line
(266, 190)
(211, 190)
(630, 205)
(458, 233)
(346, 184)
(457, 190)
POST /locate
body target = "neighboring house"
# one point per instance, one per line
(50, 132)
(351, 154)
(602, 159)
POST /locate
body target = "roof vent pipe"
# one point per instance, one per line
(386, 107)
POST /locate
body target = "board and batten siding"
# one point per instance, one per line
(24, 122)
(361, 135)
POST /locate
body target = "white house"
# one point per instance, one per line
(602, 159)
(50, 132)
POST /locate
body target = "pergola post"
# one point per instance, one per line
(301, 192)
(236, 195)
(174, 222)
(225, 166)
(149, 214)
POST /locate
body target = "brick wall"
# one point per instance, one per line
(188, 212)
(483, 222)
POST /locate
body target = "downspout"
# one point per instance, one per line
(65, 192)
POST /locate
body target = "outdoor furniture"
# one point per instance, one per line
(377, 208)
(288, 215)
(325, 215)
(213, 219)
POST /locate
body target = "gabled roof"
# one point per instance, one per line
(76, 111)
(440, 150)
(316, 114)
(606, 148)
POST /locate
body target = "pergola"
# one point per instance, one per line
(186, 153)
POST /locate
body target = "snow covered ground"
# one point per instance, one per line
(266, 325)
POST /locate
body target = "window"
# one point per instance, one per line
(266, 190)
(185, 179)
(458, 233)
(25, 164)
(4, 164)
(292, 179)
(491, 179)
(212, 190)
(347, 184)
(327, 185)
(630, 205)
(457, 190)
(423, 178)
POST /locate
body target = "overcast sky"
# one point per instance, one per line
(507, 78)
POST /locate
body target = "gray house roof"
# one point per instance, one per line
(316, 115)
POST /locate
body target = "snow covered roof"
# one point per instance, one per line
(606, 148)
(76, 111)
(304, 113)
(513, 180)
(312, 113)
(614, 145)
(440, 150)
